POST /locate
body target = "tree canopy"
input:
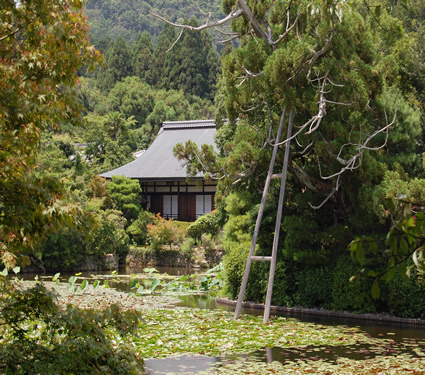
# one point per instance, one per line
(337, 68)
(43, 44)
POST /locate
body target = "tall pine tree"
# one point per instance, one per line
(143, 58)
(117, 65)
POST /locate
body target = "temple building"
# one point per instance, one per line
(165, 187)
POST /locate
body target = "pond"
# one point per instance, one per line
(381, 343)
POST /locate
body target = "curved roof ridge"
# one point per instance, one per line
(158, 161)
(188, 124)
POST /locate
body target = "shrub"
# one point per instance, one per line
(406, 298)
(207, 223)
(138, 230)
(349, 296)
(69, 247)
(313, 286)
(63, 250)
(187, 247)
(40, 338)
(166, 232)
(234, 264)
(109, 236)
(125, 194)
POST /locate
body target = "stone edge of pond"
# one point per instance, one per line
(328, 313)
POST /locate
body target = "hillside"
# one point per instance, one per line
(129, 18)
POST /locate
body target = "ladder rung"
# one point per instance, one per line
(261, 258)
(276, 176)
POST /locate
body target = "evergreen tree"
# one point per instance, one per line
(191, 65)
(132, 97)
(143, 58)
(117, 65)
(165, 39)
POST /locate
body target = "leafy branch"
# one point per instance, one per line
(403, 243)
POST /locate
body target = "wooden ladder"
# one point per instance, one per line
(272, 258)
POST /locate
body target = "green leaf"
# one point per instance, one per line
(78, 274)
(140, 289)
(378, 11)
(402, 270)
(375, 290)
(17, 270)
(410, 222)
(388, 276)
(353, 246)
(393, 245)
(360, 254)
(95, 284)
(404, 248)
(134, 284)
(56, 277)
(372, 246)
(83, 285)
(155, 284)
(372, 273)
(4, 272)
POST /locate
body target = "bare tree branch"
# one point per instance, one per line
(178, 38)
(11, 34)
(207, 25)
(288, 29)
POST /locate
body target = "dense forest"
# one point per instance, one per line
(351, 80)
(129, 18)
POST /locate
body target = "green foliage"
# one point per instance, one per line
(108, 140)
(313, 285)
(234, 264)
(395, 194)
(166, 232)
(43, 45)
(64, 250)
(205, 224)
(401, 252)
(138, 230)
(70, 247)
(125, 193)
(109, 236)
(406, 298)
(129, 18)
(352, 296)
(300, 244)
(187, 247)
(118, 65)
(192, 65)
(39, 337)
(132, 97)
(143, 58)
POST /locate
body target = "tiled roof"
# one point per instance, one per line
(158, 162)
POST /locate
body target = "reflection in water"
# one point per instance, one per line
(187, 364)
(180, 365)
(331, 353)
